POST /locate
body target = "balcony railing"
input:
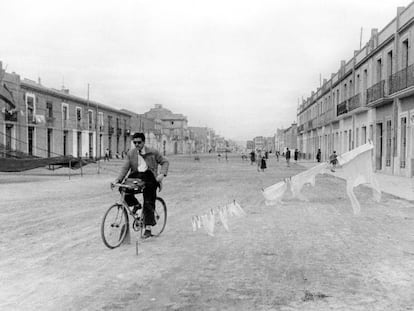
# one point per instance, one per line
(50, 121)
(300, 128)
(79, 125)
(342, 108)
(10, 115)
(375, 92)
(118, 132)
(402, 79)
(31, 119)
(110, 130)
(127, 132)
(310, 124)
(354, 102)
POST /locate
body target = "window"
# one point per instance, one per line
(364, 135)
(365, 80)
(65, 112)
(337, 97)
(30, 106)
(357, 137)
(78, 114)
(49, 110)
(90, 118)
(389, 63)
(358, 84)
(345, 92)
(350, 143)
(100, 119)
(371, 132)
(404, 54)
(379, 70)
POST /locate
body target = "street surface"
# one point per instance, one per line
(312, 255)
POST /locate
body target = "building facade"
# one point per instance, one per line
(46, 122)
(371, 97)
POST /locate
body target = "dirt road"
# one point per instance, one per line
(312, 255)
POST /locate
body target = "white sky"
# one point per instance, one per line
(236, 66)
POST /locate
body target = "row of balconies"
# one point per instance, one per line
(398, 81)
(11, 116)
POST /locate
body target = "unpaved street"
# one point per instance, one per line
(312, 255)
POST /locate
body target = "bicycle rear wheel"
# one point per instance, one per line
(160, 214)
(114, 226)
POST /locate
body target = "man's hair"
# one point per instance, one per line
(139, 135)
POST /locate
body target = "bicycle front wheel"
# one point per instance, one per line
(160, 214)
(114, 226)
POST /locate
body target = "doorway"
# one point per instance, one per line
(379, 147)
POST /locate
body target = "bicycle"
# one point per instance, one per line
(115, 223)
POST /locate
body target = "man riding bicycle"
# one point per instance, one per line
(142, 163)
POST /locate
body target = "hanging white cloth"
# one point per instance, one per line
(219, 215)
(224, 218)
(297, 182)
(357, 169)
(274, 194)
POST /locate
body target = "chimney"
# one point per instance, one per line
(39, 81)
(66, 91)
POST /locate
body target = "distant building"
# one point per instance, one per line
(200, 136)
(250, 145)
(259, 142)
(45, 122)
(174, 126)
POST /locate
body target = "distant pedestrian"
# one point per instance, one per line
(287, 156)
(218, 156)
(333, 160)
(106, 158)
(277, 155)
(318, 155)
(295, 155)
(263, 163)
(266, 155)
(252, 157)
(225, 155)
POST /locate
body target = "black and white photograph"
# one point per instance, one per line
(181, 155)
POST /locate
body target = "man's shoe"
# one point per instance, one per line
(147, 234)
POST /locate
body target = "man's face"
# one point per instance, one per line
(139, 143)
